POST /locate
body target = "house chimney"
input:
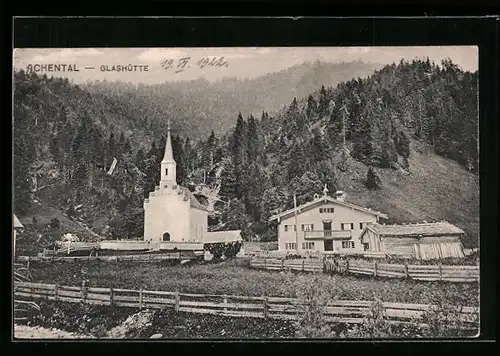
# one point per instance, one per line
(340, 195)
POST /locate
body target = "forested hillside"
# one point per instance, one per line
(200, 106)
(410, 151)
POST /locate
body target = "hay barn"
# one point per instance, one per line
(421, 241)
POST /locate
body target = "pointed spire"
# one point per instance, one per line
(168, 156)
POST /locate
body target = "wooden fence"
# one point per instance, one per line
(343, 311)
(135, 258)
(418, 272)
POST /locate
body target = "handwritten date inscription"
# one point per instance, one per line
(181, 64)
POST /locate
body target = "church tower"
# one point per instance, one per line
(168, 165)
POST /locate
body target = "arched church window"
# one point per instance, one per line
(166, 171)
(166, 236)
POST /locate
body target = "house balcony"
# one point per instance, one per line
(328, 235)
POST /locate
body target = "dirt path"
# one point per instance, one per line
(36, 332)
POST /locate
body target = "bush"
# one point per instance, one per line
(54, 223)
(229, 250)
(314, 297)
(294, 257)
(444, 319)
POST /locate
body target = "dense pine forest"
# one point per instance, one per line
(402, 141)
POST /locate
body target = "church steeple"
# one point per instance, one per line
(168, 156)
(168, 165)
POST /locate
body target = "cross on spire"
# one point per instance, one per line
(325, 191)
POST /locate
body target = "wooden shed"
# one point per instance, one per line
(421, 241)
(17, 225)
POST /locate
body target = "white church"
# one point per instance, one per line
(173, 214)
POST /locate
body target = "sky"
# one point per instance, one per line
(242, 62)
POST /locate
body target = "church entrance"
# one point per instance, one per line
(166, 236)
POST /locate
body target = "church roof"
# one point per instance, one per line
(194, 203)
(325, 199)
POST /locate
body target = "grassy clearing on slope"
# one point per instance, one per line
(228, 278)
(436, 189)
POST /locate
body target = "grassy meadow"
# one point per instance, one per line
(234, 279)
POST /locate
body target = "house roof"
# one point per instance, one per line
(324, 199)
(17, 223)
(194, 203)
(223, 236)
(411, 230)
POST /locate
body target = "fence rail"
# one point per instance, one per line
(135, 258)
(344, 311)
(464, 274)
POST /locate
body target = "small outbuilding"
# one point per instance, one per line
(16, 226)
(421, 241)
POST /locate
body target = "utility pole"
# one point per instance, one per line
(296, 224)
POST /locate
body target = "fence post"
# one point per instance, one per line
(140, 298)
(440, 272)
(111, 295)
(303, 261)
(225, 302)
(266, 308)
(265, 263)
(282, 264)
(177, 301)
(406, 270)
(375, 268)
(347, 266)
(56, 291)
(84, 291)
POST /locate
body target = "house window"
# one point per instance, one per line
(290, 246)
(307, 227)
(308, 245)
(286, 228)
(347, 244)
(326, 210)
(366, 246)
(347, 226)
(361, 226)
(294, 227)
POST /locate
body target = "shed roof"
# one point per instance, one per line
(17, 223)
(323, 199)
(223, 236)
(411, 230)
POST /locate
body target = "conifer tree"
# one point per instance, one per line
(311, 107)
(253, 144)
(323, 102)
(372, 180)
